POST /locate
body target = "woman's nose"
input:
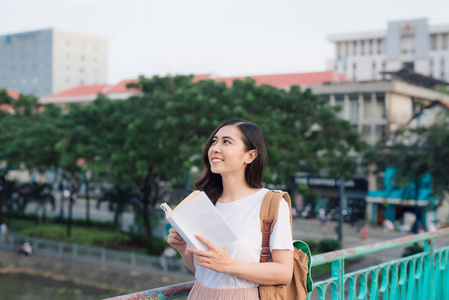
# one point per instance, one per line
(215, 148)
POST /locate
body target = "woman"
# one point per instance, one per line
(234, 159)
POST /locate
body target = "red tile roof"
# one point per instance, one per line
(83, 90)
(197, 78)
(287, 80)
(13, 94)
(279, 81)
(121, 87)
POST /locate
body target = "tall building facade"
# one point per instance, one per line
(408, 44)
(48, 61)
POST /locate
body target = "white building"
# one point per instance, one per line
(381, 107)
(48, 61)
(409, 44)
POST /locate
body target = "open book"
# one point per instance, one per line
(196, 214)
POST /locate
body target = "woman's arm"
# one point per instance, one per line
(279, 271)
(177, 242)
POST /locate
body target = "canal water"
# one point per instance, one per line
(28, 287)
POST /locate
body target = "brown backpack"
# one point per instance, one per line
(301, 282)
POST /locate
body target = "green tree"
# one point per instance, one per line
(119, 199)
(418, 152)
(28, 136)
(159, 134)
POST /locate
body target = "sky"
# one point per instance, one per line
(227, 38)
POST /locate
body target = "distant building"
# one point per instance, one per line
(49, 61)
(86, 94)
(381, 107)
(408, 44)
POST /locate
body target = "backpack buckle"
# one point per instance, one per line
(265, 251)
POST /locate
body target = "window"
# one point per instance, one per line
(366, 131)
(354, 48)
(370, 47)
(353, 107)
(339, 101)
(380, 106)
(362, 52)
(444, 41)
(354, 71)
(379, 46)
(433, 42)
(408, 65)
(380, 131)
(338, 52)
(367, 106)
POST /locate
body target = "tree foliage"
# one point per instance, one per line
(418, 152)
(158, 135)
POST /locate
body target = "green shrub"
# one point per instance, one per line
(82, 236)
(328, 245)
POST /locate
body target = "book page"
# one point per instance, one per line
(199, 215)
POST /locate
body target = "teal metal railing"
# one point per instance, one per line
(424, 275)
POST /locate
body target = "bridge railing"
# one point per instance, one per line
(424, 275)
(124, 260)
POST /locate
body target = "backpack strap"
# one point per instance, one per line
(268, 217)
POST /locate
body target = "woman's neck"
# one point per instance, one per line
(235, 189)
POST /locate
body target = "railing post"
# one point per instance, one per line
(338, 271)
(60, 250)
(430, 269)
(74, 252)
(133, 261)
(102, 256)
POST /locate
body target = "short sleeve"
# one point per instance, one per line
(281, 237)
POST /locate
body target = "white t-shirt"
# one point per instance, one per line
(243, 216)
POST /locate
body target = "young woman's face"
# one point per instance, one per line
(227, 153)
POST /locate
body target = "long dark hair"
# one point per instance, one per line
(253, 138)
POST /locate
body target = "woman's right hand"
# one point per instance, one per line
(176, 241)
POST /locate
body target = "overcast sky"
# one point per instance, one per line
(227, 37)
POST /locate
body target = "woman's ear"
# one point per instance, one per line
(252, 155)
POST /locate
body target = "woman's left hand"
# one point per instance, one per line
(216, 258)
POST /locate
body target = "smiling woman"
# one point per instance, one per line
(234, 159)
